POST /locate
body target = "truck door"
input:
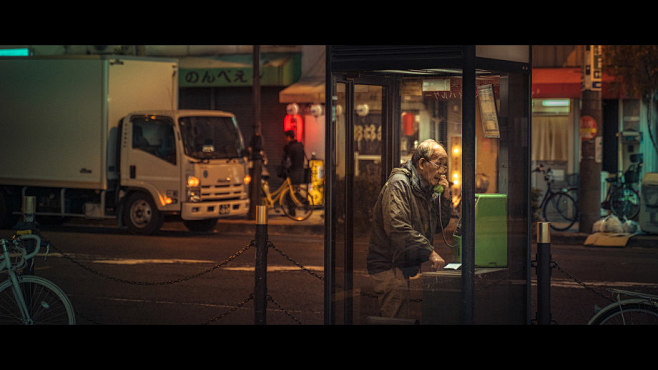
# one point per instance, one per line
(149, 159)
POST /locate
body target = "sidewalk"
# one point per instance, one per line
(277, 223)
(280, 224)
(575, 237)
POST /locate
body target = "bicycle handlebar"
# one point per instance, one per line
(36, 249)
(6, 263)
(540, 168)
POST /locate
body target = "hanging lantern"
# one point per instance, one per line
(294, 122)
(408, 123)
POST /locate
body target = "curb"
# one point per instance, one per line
(272, 228)
(576, 238)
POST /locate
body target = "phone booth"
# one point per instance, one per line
(475, 101)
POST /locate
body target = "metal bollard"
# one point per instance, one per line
(28, 208)
(27, 225)
(260, 289)
(543, 273)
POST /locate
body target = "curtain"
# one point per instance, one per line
(550, 138)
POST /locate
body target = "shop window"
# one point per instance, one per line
(551, 127)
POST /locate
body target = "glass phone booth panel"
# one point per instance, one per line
(380, 114)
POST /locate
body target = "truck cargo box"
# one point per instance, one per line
(59, 115)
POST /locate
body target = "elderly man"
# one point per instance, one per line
(405, 217)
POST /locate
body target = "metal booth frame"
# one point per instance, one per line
(352, 64)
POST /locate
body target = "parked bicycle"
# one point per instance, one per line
(622, 199)
(29, 299)
(294, 200)
(641, 309)
(558, 207)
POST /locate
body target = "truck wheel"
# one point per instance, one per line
(200, 225)
(141, 215)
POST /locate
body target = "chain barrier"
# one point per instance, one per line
(269, 298)
(302, 267)
(186, 278)
(555, 265)
(169, 282)
(145, 283)
(232, 309)
(240, 304)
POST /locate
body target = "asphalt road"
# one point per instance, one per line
(179, 277)
(183, 278)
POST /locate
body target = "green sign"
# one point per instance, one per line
(277, 72)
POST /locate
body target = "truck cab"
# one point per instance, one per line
(188, 163)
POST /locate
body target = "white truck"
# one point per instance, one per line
(101, 137)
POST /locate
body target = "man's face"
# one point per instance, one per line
(432, 169)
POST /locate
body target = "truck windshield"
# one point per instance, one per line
(211, 137)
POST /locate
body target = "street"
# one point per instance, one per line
(185, 278)
(598, 269)
(179, 277)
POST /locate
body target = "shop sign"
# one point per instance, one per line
(587, 128)
(453, 88)
(488, 111)
(279, 72)
(592, 72)
(229, 77)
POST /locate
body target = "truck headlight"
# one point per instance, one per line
(192, 181)
(193, 189)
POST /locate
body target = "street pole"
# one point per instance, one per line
(468, 186)
(591, 115)
(543, 265)
(256, 139)
(260, 270)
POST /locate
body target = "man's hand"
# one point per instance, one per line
(436, 261)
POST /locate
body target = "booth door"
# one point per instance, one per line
(363, 159)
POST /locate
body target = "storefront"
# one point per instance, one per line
(556, 132)
(475, 100)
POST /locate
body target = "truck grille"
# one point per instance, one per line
(213, 192)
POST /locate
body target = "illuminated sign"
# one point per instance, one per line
(19, 52)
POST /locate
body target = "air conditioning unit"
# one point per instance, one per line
(649, 203)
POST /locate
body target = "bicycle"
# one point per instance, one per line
(622, 199)
(642, 309)
(29, 299)
(558, 207)
(294, 200)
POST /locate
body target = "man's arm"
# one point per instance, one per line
(409, 244)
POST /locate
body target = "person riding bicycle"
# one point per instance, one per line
(292, 164)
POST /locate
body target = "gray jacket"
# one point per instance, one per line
(405, 219)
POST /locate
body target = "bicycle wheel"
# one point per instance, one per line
(625, 203)
(300, 208)
(630, 313)
(561, 211)
(48, 304)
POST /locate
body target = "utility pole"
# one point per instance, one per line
(256, 143)
(591, 122)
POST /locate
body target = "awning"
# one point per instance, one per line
(566, 82)
(307, 90)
